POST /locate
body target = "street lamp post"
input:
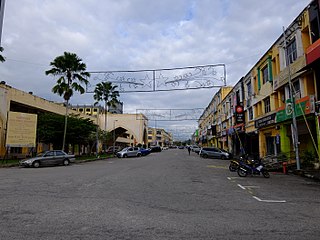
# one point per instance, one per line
(114, 135)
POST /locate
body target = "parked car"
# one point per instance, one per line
(129, 152)
(144, 151)
(181, 147)
(156, 149)
(195, 148)
(113, 150)
(48, 158)
(214, 153)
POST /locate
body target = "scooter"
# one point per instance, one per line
(255, 169)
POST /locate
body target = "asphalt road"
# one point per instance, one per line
(167, 195)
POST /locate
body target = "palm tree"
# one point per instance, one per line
(106, 92)
(72, 73)
(2, 59)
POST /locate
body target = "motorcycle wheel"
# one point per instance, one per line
(266, 174)
(232, 167)
(242, 173)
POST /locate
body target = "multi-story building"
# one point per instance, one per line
(159, 137)
(258, 115)
(127, 129)
(210, 132)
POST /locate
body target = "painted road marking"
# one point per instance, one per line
(251, 186)
(216, 166)
(242, 187)
(269, 201)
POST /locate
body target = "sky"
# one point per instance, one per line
(122, 35)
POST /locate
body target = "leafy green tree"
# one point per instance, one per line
(106, 92)
(2, 59)
(72, 74)
(50, 128)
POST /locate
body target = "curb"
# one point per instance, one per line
(76, 162)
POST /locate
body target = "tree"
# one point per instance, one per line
(2, 59)
(72, 73)
(106, 92)
(50, 128)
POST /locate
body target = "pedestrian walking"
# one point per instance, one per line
(189, 149)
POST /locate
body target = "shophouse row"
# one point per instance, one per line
(255, 116)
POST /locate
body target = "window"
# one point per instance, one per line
(149, 131)
(267, 107)
(238, 97)
(296, 89)
(250, 113)
(158, 138)
(249, 89)
(149, 137)
(158, 132)
(292, 51)
(80, 109)
(16, 150)
(59, 153)
(265, 74)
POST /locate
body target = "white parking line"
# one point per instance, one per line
(242, 187)
(269, 201)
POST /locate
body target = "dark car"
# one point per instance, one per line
(214, 153)
(144, 151)
(156, 149)
(48, 158)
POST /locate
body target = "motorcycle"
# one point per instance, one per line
(256, 168)
(234, 164)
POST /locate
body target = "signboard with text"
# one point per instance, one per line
(304, 105)
(21, 130)
(239, 114)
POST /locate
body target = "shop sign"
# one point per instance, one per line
(239, 128)
(265, 121)
(303, 106)
(239, 114)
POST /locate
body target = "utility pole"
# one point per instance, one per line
(294, 128)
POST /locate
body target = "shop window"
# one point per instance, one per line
(270, 145)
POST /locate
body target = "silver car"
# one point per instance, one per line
(48, 158)
(214, 153)
(129, 152)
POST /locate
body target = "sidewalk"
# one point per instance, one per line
(312, 174)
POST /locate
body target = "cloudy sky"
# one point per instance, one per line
(113, 35)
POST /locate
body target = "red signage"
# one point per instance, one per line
(239, 114)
